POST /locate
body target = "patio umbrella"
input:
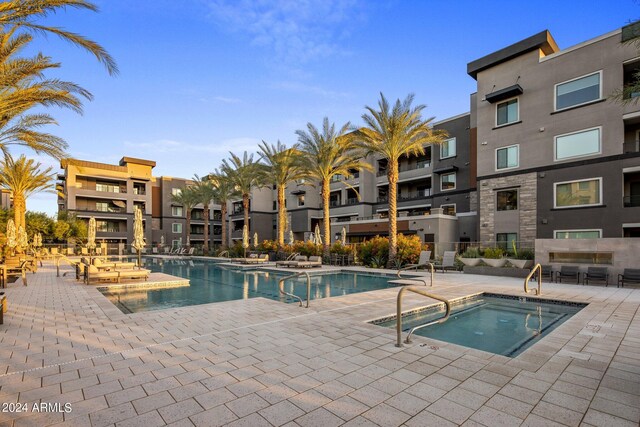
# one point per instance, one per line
(23, 239)
(344, 236)
(255, 240)
(37, 240)
(91, 236)
(138, 233)
(318, 237)
(11, 235)
(291, 240)
(312, 238)
(188, 240)
(162, 240)
(245, 238)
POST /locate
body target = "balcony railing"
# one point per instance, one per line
(631, 201)
(338, 203)
(405, 167)
(414, 195)
(109, 210)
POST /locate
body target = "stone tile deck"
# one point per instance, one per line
(260, 362)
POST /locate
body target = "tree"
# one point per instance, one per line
(188, 198)
(204, 193)
(326, 154)
(244, 176)
(392, 132)
(23, 178)
(223, 192)
(282, 166)
(38, 222)
(68, 226)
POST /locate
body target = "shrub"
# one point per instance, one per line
(236, 250)
(471, 252)
(339, 249)
(527, 254)
(307, 248)
(409, 248)
(374, 252)
(493, 253)
(268, 246)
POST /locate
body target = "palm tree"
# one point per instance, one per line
(327, 154)
(22, 178)
(205, 194)
(244, 175)
(188, 199)
(283, 166)
(23, 15)
(223, 192)
(392, 132)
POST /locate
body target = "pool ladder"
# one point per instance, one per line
(418, 291)
(415, 266)
(538, 291)
(293, 276)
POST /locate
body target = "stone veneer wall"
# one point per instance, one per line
(473, 201)
(527, 205)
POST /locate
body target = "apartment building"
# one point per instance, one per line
(556, 157)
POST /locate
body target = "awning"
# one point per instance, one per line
(502, 94)
(446, 169)
(298, 192)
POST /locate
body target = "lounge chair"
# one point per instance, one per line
(191, 251)
(256, 260)
(112, 265)
(629, 275)
(133, 274)
(13, 272)
(166, 250)
(94, 274)
(423, 260)
(448, 261)
(292, 263)
(314, 261)
(596, 273)
(568, 272)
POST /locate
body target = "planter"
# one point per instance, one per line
(471, 262)
(520, 263)
(500, 262)
(503, 272)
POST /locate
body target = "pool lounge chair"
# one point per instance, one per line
(448, 262)
(314, 261)
(140, 273)
(568, 272)
(292, 263)
(629, 275)
(423, 260)
(94, 274)
(600, 274)
(112, 265)
(258, 259)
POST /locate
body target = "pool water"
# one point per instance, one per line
(498, 324)
(213, 283)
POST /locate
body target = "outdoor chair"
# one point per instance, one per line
(600, 274)
(448, 261)
(568, 272)
(314, 261)
(14, 272)
(292, 263)
(256, 259)
(629, 275)
(423, 260)
(546, 271)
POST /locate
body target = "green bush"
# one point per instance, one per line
(409, 248)
(236, 250)
(307, 248)
(471, 252)
(527, 254)
(374, 252)
(493, 253)
(339, 249)
(268, 246)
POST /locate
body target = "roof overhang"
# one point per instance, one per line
(502, 94)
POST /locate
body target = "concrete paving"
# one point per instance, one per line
(261, 362)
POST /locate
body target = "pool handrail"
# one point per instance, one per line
(300, 273)
(220, 255)
(415, 266)
(418, 291)
(538, 291)
(292, 256)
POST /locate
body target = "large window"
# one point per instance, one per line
(107, 187)
(176, 191)
(107, 226)
(176, 210)
(448, 148)
(301, 200)
(507, 112)
(507, 200)
(448, 181)
(449, 209)
(176, 227)
(577, 234)
(578, 144)
(586, 192)
(505, 240)
(578, 91)
(507, 157)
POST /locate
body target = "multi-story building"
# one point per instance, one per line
(556, 157)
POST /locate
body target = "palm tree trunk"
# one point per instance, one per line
(245, 206)
(325, 214)
(392, 174)
(205, 247)
(19, 209)
(223, 213)
(282, 212)
(189, 226)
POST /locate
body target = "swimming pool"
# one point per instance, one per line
(500, 324)
(211, 282)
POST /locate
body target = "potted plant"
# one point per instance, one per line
(493, 257)
(471, 257)
(522, 259)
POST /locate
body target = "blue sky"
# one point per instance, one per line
(199, 78)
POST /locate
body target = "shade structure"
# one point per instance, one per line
(344, 236)
(12, 237)
(318, 236)
(23, 239)
(138, 233)
(291, 240)
(255, 240)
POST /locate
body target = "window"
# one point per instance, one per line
(507, 112)
(449, 209)
(577, 144)
(176, 243)
(505, 240)
(448, 148)
(507, 200)
(507, 157)
(578, 91)
(102, 206)
(176, 210)
(448, 181)
(176, 227)
(107, 226)
(577, 234)
(301, 200)
(107, 187)
(586, 192)
(176, 191)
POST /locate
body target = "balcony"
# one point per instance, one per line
(413, 195)
(108, 210)
(631, 201)
(338, 203)
(406, 168)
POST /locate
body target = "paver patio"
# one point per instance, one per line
(261, 362)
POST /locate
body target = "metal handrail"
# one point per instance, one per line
(399, 312)
(292, 256)
(415, 266)
(538, 291)
(282, 291)
(224, 253)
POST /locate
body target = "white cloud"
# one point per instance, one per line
(310, 89)
(237, 145)
(226, 100)
(294, 30)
